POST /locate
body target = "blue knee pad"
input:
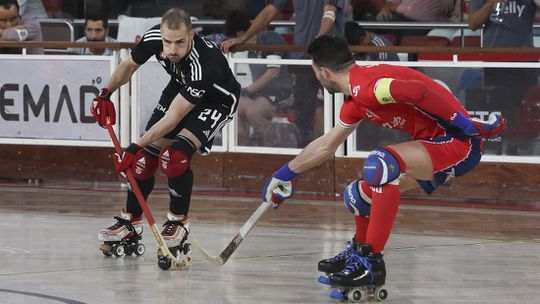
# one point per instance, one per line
(381, 167)
(354, 201)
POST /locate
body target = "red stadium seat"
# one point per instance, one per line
(469, 41)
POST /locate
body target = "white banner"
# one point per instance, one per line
(49, 97)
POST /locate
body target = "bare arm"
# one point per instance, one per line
(263, 81)
(321, 149)
(178, 109)
(327, 22)
(122, 74)
(480, 17)
(260, 22)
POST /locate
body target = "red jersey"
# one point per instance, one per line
(408, 117)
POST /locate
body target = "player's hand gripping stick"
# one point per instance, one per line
(102, 108)
(493, 127)
(280, 186)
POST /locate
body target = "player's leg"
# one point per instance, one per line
(243, 121)
(383, 170)
(175, 164)
(128, 224)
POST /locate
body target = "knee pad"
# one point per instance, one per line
(357, 202)
(147, 163)
(174, 159)
(173, 163)
(383, 166)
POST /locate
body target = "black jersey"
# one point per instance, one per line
(204, 72)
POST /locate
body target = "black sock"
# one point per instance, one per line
(181, 197)
(132, 205)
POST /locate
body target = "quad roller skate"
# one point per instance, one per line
(122, 238)
(362, 278)
(175, 233)
(336, 263)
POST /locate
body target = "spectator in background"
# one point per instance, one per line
(356, 35)
(32, 8)
(96, 29)
(509, 27)
(13, 27)
(411, 11)
(313, 19)
(271, 90)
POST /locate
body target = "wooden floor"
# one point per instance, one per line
(440, 252)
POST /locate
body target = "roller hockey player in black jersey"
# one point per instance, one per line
(200, 98)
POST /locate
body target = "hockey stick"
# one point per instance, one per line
(168, 258)
(240, 236)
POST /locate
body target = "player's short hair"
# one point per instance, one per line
(331, 52)
(103, 19)
(236, 21)
(8, 3)
(174, 18)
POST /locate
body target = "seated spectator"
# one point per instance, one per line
(356, 35)
(13, 27)
(271, 89)
(96, 29)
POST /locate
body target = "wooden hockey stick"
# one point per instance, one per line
(168, 258)
(233, 245)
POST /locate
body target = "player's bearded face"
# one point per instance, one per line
(176, 43)
(330, 85)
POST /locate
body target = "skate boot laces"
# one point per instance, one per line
(347, 253)
(120, 221)
(357, 262)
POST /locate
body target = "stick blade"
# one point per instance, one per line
(212, 260)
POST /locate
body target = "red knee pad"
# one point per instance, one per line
(146, 165)
(173, 163)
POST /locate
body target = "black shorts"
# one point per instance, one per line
(204, 121)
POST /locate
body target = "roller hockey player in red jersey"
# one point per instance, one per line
(200, 98)
(446, 142)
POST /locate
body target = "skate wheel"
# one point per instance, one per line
(164, 263)
(324, 280)
(118, 250)
(105, 249)
(336, 294)
(186, 248)
(139, 249)
(354, 295)
(381, 295)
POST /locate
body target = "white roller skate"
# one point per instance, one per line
(123, 237)
(175, 233)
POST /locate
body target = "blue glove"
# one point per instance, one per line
(280, 186)
(479, 128)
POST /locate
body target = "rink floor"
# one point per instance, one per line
(440, 252)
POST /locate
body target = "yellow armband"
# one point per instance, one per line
(382, 91)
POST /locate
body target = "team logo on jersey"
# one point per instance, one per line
(355, 90)
(206, 133)
(195, 92)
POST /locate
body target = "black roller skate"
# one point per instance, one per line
(175, 233)
(124, 237)
(362, 278)
(338, 262)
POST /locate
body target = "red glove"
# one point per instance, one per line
(102, 109)
(127, 160)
